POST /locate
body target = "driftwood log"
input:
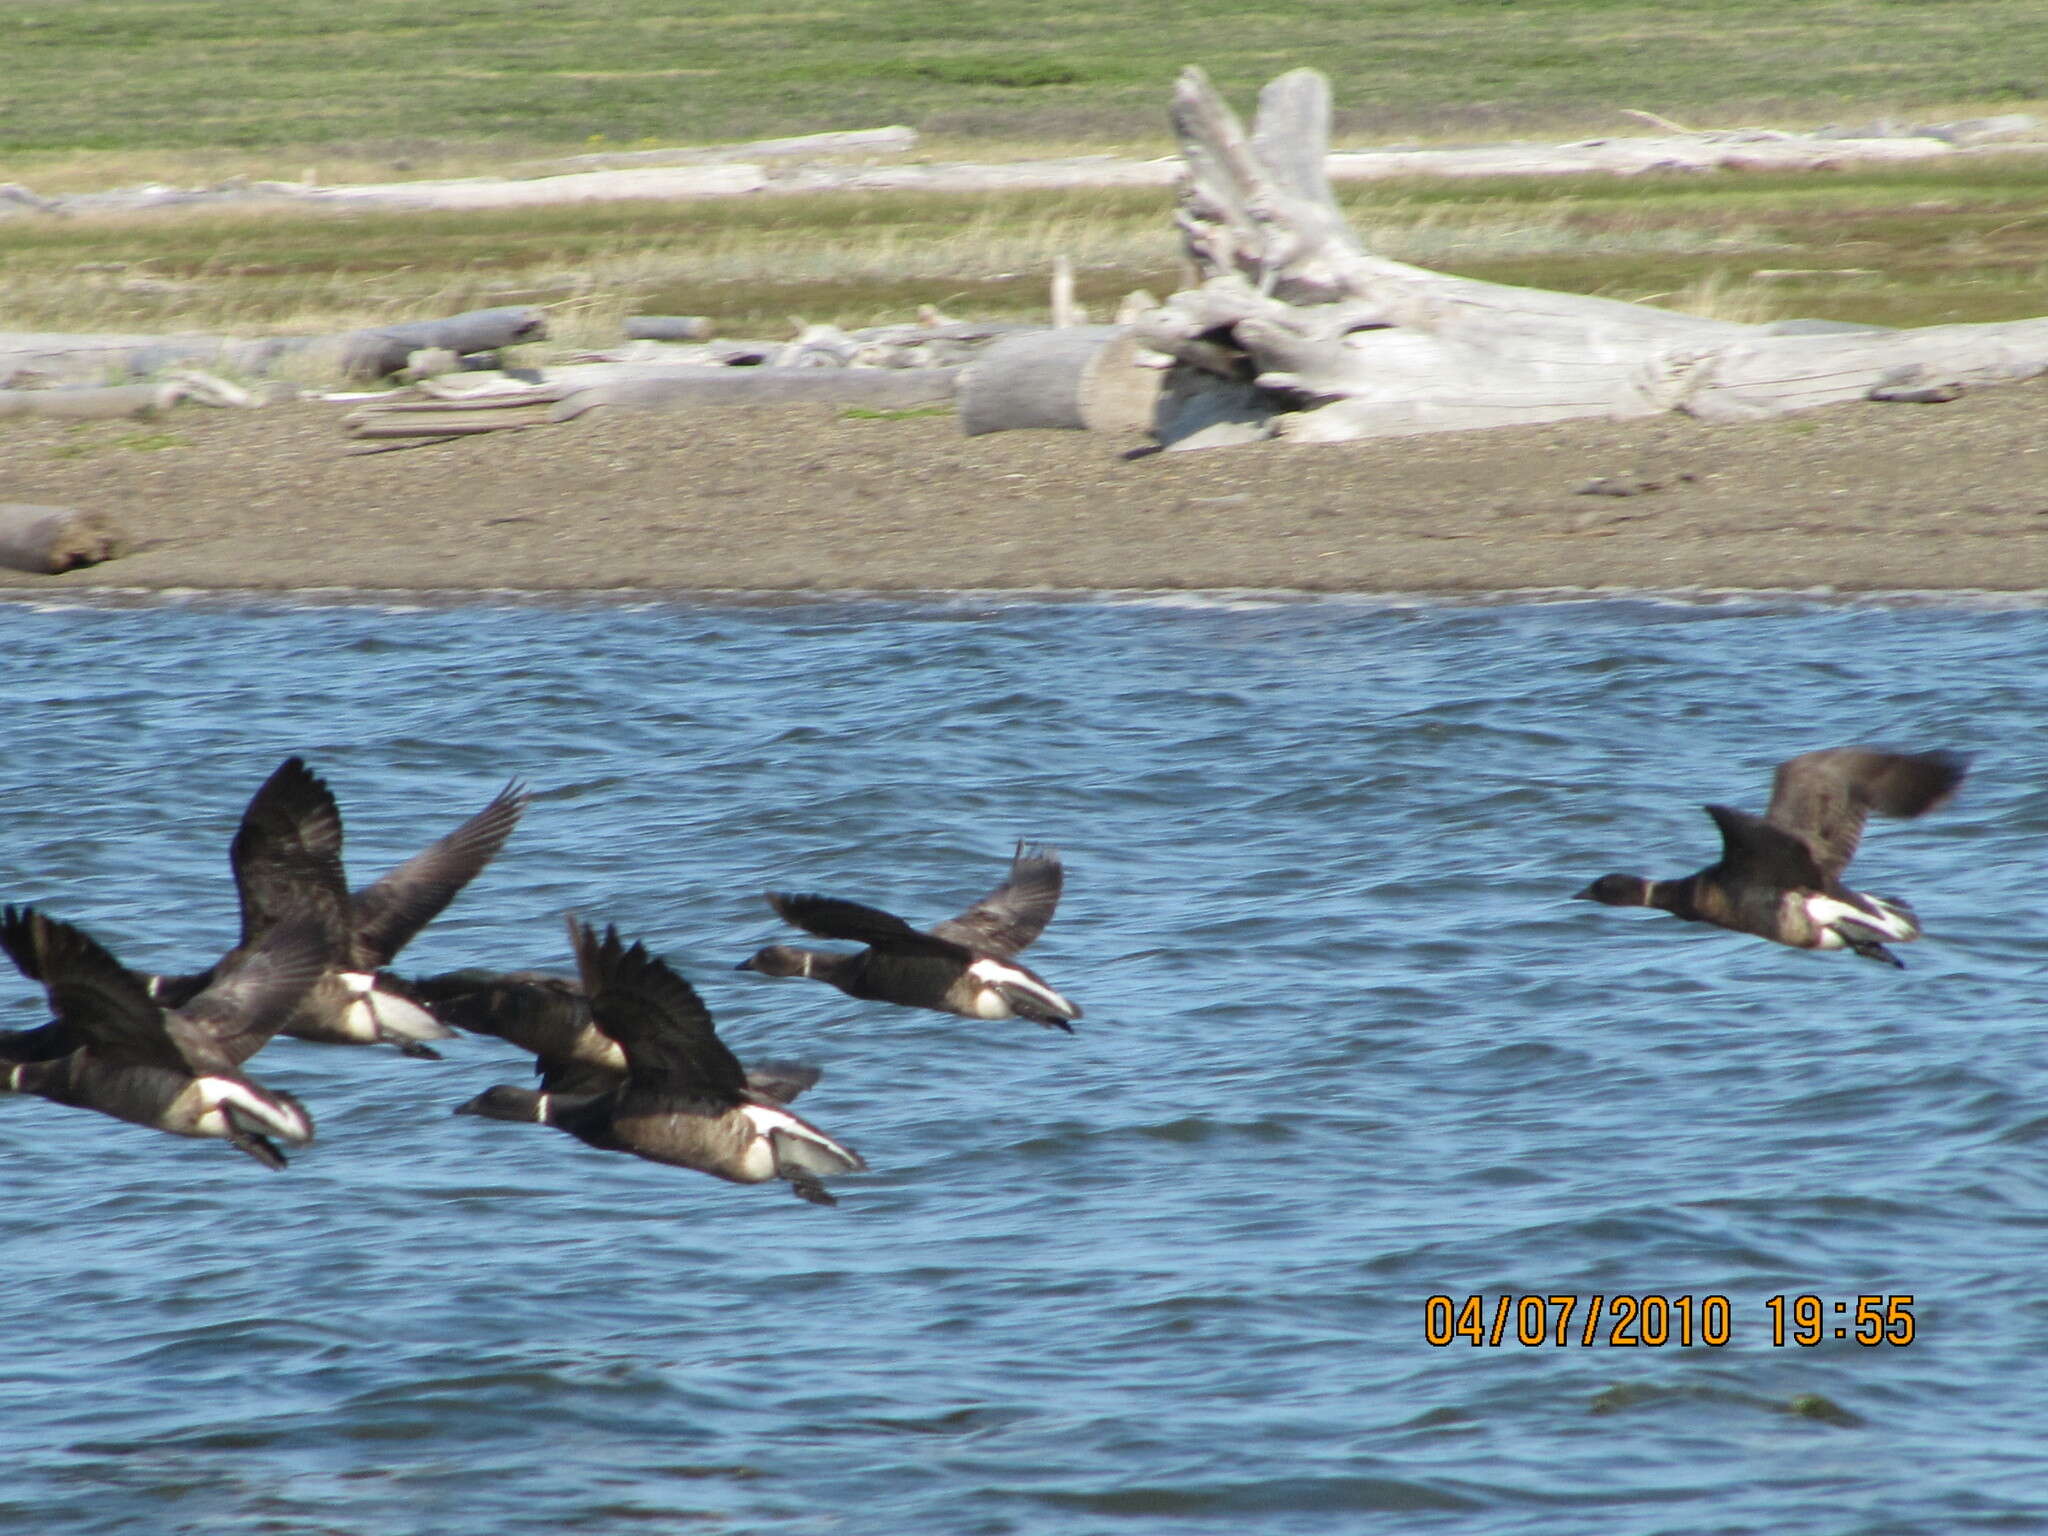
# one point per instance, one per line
(1297, 330)
(107, 402)
(48, 540)
(42, 356)
(443, 410)
(763, 168)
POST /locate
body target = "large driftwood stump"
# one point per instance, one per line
(1297, 330)
(1078, 376)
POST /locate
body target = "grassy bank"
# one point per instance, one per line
(397, 82)
(1915, 246)
(113, 92)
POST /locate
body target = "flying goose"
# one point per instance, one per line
(549, 1016)
(173, 1069)
(685, 1098)
(287, 854)
(966, 965)
(1780, 874)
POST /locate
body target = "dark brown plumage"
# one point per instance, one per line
(965, 966)
(1779, 874)
(685, 1098)
(550, 1017)
(286, 856)
(175, 1070)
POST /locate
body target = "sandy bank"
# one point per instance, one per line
(1859, 498)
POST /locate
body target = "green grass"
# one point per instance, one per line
(407, 80)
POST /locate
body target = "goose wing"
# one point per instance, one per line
(387, 914)
(830, 918)
(659, 1021)
(96, 998)
(252, 996)
(286, 854)
(45, 1042)
(1756, 849)
(533, 1010)
(1823, 797)
(1015, 913)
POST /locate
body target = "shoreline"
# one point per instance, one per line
(451, 598)
(805, 503)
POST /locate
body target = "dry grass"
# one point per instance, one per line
(1897, 246)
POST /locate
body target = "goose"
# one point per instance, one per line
(287, 853)
(684, 1099)
(967, 965)
(549, 1016)
(172, 1069)
(1780, 874)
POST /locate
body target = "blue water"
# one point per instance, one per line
(1348, 1047)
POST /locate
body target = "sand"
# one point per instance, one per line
(1856, 498)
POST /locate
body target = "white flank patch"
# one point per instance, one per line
(274, 1115)
(1887, 922)
(995, 973)
(14, 1079)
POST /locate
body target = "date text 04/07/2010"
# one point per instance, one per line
(1652, 1321)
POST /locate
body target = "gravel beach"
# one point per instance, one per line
(1863, 497)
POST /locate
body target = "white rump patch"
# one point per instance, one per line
(1885, 922)
(809, 1147)
(377, 1015)
(274, 1115)
(990, 1004)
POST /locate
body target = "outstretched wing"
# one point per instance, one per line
(387, 914)
(1754, 848)
(287, 852)
(657, 1018)
(1823, 797)
(251, 998)
(1011, 916)
(92, 994)
(830, 918)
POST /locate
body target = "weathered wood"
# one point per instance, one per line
(1080, 376)
(733, 171)
(447, 410)
(113, 402)
(1300, 331)
(393, 423)
(668, 327)
(50, 540)
(673, 388)
(368, 353)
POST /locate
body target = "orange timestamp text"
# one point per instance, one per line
(1628, 1320)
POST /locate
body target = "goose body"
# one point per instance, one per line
(173, 1070)
(1779, 876)
(966, 966)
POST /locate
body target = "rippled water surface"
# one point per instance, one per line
(1348, 1047)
